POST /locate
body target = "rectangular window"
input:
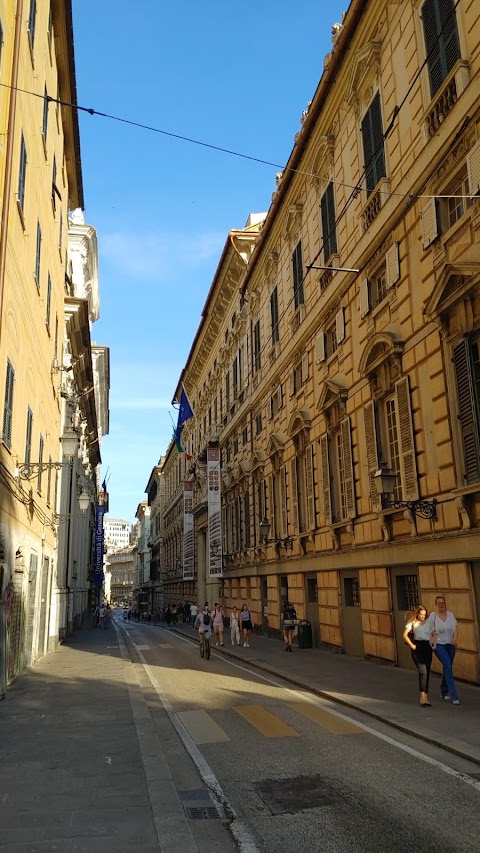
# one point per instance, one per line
(352, 592)
(407, 592)
(246, 517)
(393, 445)
(373, 145)
(28, 436)
(54, 183)
(235, 378)
(40, 459)
(258, 423)
(38, 252)
(60, 233)
(441, 40)
(329, 231)
(48, 302)
(45, 115)
(8, 405)
(378, 287)
(257, 359)
(274, 315)
(50, 29)
(22, 175)
(331, 343)
(1, 42)
(312, 591)
(32, 17)
(297, 268)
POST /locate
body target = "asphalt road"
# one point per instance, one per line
(300, 773)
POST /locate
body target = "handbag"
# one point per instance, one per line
(288, 623)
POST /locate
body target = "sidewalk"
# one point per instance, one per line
(90, 763)
(382, 691)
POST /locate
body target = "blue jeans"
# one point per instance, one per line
(445, 654)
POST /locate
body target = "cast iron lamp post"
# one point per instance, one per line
(385, 480)
(279, 542)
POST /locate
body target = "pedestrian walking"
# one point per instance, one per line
(444, 640)
(246, 625)
(101, 614)
(186, 612)
(289, 619)
(129, 615)
(193, 614)
(417, 635)
(234, 626)
(180, 614)
(168, 615)
(217, 621)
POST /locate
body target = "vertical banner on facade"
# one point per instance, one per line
(98, 547)
(215, 556)
(188, 560)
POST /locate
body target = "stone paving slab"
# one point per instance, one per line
(82, 768)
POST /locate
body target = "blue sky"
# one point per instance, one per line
(235, 76)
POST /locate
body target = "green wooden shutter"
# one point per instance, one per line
(329, 233)
(468, 413)
(349, 483)
(373, 145)
(310, 487)
(294, 496)
(372, 451)
(283, 500)
(8, 406)
(326, 492)
(406, 439)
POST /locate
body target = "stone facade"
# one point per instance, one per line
(342, 334)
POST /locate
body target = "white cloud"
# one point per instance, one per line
(159, 255)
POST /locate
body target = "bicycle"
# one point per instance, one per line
(205, 646)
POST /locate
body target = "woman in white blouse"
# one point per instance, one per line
(417, 635)
(444, 636)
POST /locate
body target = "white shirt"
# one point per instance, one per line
(193, 610)
(445, 630)
(421, 630)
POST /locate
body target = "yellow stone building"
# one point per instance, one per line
(341, 336)
(42, 321)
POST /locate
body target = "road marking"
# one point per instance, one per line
(264, 721)
(313, 700)
(142, 648)
(325, 719)
(201, 727)
(238, 828)
(162, 646)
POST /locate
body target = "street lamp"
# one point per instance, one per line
(30, 470)
(83, 502)
(279, 542)
(385, 480)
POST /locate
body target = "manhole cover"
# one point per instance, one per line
(194, 796)
(201, 813)
(297, 794)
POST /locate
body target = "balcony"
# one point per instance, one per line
(446, 97)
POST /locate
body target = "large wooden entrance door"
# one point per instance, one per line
(311, 609)
(405, 597)
(351, 613)
(476, 587)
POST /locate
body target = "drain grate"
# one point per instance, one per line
(202, 813)
(297, 794)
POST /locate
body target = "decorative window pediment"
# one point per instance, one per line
(299, 422)
(381, 362)
(275, 444)
(258, 461)
(364, 72)
(333, 395)
(322, 161)
(270, 266)
(454, 285)
(293, 221)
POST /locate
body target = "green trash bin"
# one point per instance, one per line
(305, 637)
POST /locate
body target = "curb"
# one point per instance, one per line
(325, 695)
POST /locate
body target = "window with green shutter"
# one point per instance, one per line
(8, 406)
(329, 231)
(373, 145)
(441, 40)
(466, 359)
(28, 436)
(297, 270)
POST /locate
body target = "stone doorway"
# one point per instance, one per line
(351, 613)
(405, 598)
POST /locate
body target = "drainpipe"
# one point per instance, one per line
(9, 155)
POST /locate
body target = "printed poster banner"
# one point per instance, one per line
(98, 547)
(215, 556)
(188, 552)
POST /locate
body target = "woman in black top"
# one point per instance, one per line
(289, 616)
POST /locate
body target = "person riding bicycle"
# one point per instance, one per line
(203, 623)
